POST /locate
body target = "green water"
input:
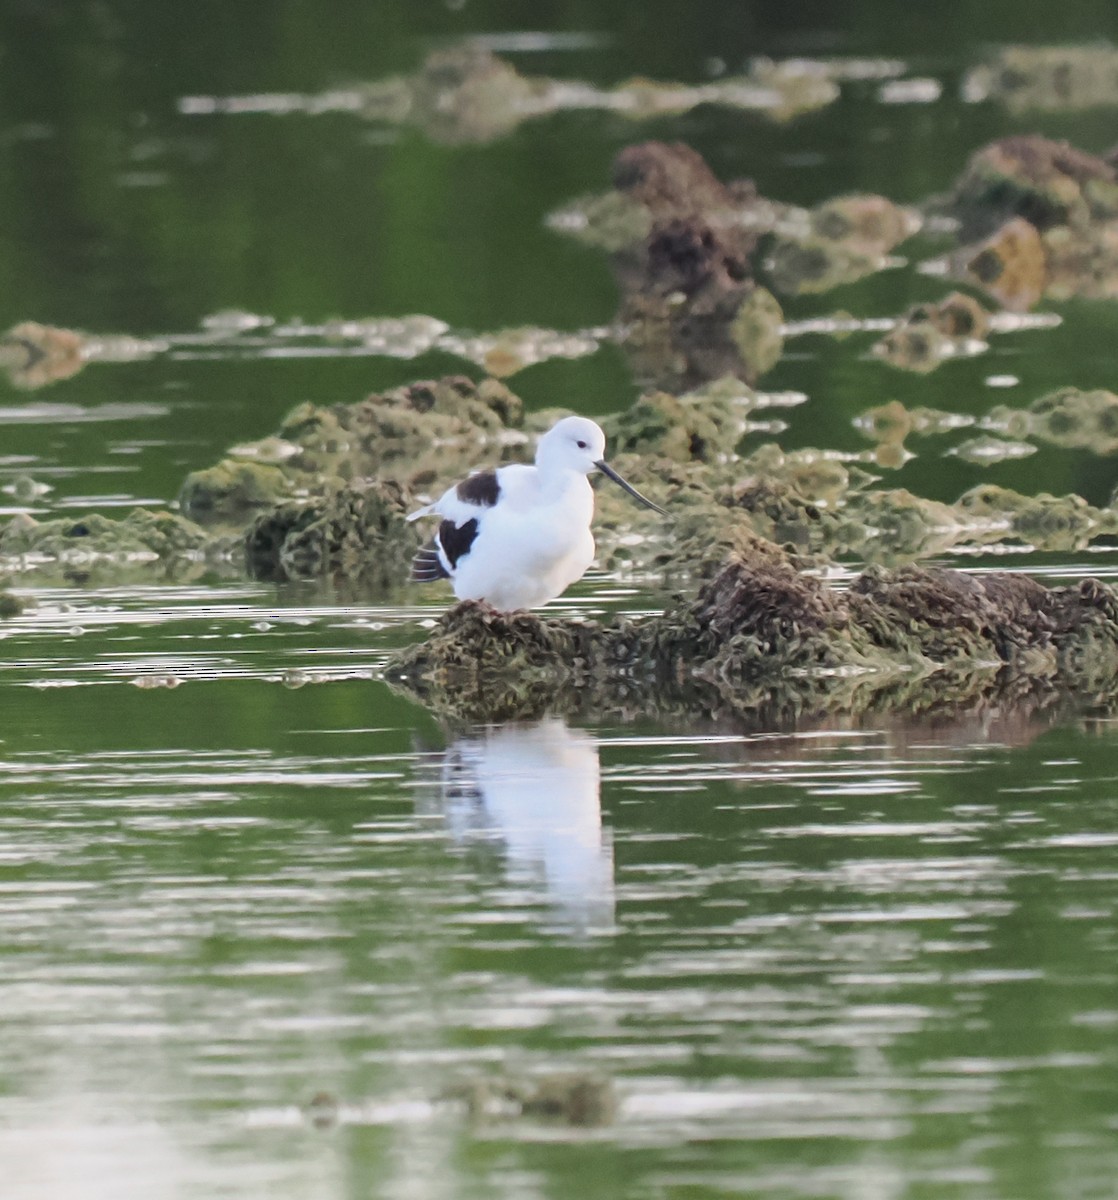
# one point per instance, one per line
(869, 960)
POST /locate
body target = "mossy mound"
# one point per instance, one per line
(431, 423)
(762, 634)
(140, 534)
(583, 1099)
(482, 664)
(1047, 183)
(10, 605)
(95, 547)
(704, 425)
(233, 491)
(424, 434)
(1046, 78)
(358, 533)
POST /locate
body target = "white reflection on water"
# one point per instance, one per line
(534, 791)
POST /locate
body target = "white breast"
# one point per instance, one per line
(532, 545)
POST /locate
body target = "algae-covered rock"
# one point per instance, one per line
(691, 310)
(357, 533)
(1044, 182)
(864, 219)
(757, 332)
(930, 333)
(1077, 419)
(688, 300)
(1044, 521)
(583, 1099)
(140, 534)
(669, 179)
(424, 434)
(841, 241)
(233, 491)
(421, 433)
(480, 663)
(467, 94)
(1049, 216)
(10, 605)
(78, 549)
(1046, 78)
(1011, 265)
(763, 634)
(984, 450)
(893, 422)
(704, 425)
(34, 355)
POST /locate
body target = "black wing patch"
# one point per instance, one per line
(440, 556)
(455, 540)
(480, 488)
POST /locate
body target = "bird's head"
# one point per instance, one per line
(578, 444)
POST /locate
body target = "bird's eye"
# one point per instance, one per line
(581, 445)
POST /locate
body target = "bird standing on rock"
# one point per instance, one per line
(518, 536)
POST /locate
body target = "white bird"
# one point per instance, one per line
(518, 536)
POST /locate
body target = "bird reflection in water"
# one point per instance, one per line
(532, 792)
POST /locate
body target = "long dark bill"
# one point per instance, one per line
(606, 469)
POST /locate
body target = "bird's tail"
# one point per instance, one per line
(427, 565)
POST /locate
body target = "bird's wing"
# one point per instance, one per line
(477, 492)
